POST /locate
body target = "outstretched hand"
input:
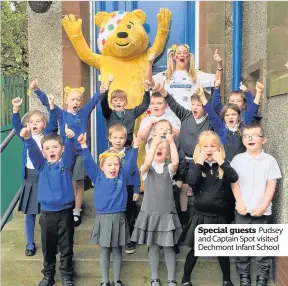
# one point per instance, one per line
(16, 103)
(82, 139)
(25, 132)
(34, 84)
(243, 87)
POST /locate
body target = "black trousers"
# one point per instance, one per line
(243, 263)
(132, 210)
(57, 232)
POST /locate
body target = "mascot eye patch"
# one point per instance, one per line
(129, 27)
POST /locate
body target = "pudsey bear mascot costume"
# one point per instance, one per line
(123, 43)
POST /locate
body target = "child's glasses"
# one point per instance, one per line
(253, 136)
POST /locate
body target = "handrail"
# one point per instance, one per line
(7, 140)
(16, 198)
(10, 209)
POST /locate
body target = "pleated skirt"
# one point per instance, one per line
(159, 229)
(187, 237)
(110, 230)
(28, 203)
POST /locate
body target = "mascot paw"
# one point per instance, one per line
(164, 19)
(72, 26)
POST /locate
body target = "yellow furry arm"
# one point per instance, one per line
(164, 19)
(73, 30)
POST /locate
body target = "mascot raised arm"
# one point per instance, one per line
(123, 43)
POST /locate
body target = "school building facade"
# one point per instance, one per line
(252, 39)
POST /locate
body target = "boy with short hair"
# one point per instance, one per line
(56, 196)
(117, 136)
(118, 113)
(258, 173)
(193, 122)
(158, 107)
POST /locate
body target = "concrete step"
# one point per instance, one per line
(14, 231)
(87, 265)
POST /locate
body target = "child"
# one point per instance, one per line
(28, 203)
(243, 99)
(56, 196)
(181, 77)
(210, 177)
(110, 230)
(118, 113)
(193, 122)
(158, 224)
(73, 121)
(230, 127)
(117, 137)
(157, 107)
(254, 191)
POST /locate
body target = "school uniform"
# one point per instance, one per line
(190, 129)
(78, 123)
(248, 115)
(126, 117)
(110, 201)
(254, 172)
(28, 203)
(157, 222)
(56, 196)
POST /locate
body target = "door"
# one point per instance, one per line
(182, 30)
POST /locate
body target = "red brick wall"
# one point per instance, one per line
(281, 271)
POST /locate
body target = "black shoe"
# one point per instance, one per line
(227, 283)
(77, 220)
(105, 284)
(186, 284)
(47, 281)
(245, 280)
(155, 280)
(30, 252)
(130, 248)
(67, 281)
(261, 281)
(117, 283)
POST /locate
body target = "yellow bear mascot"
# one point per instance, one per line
(123, 44)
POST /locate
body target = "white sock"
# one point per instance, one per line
(76, 212)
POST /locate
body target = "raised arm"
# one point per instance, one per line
(73, 30)
(52, 126)
(216, 99)
(164, 19)
(16, 120)
(69, 153)
(143, 106)
(214, 119)
(106, 110)
(179, 110)
(174, 154)
(90, 166)
(90, 105)
(34, 152)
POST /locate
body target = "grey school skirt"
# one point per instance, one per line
(110, 230)
(28, 203)
(78, 169)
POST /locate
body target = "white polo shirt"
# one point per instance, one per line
(254, 172)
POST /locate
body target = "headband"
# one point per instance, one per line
(174, 47)
(107, 154)
(109, 28)
(68, 89)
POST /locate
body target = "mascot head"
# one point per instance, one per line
(121, 34)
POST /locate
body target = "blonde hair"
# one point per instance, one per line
(110, 153)
(162, 121)
(117, 128)
(118, 93)
(213, 137)
(35, 112)
(191, 71)
(68, 89)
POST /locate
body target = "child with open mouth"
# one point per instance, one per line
(28, 203)
(73, 121)
(158, 224)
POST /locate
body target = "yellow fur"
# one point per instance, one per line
(126, 64)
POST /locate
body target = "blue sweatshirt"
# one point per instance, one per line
(78, 122)
(248, 115)
(52, 127)
(134, 179)
(110, 195)
(55, 189)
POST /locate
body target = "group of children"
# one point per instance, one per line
(182, 152)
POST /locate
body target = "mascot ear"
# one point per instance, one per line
(140, 15)
(99, 18)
